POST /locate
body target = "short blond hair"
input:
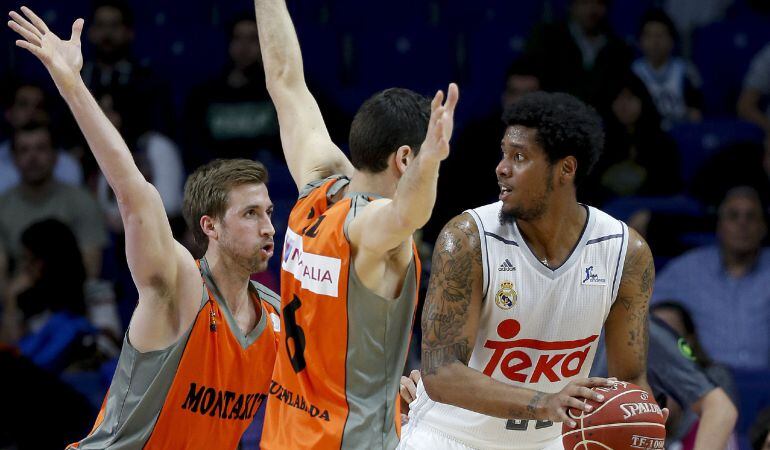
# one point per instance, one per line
(206, 190)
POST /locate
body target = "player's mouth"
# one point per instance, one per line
(505, 191)
(267, 250)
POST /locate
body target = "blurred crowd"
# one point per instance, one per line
(682, 85)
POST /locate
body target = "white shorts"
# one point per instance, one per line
(424, 437)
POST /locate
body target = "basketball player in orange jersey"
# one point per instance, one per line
(350, 272)
(520, 290)
(199, 352)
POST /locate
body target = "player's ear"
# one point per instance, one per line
(403, 156)
(567, 169)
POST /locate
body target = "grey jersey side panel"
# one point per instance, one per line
(137, 394)
(378, 336)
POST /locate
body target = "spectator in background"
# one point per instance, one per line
(46, 309)
(581, 56)
(113, 67)
(691, 14)
(640, 159)
(39, 196)
(756, 87)
(759, 434)
(672, 82)
(157, 157)
(28, 104)
(232, 116)
(743, 163)
(684, 423)
(725, 287)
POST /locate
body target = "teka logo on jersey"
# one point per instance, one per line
(317, 273)
(558, 360)
(592, 278)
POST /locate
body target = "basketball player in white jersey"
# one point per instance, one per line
(520, 290)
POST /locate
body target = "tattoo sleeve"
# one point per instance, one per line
(627, 324)
(455, 271)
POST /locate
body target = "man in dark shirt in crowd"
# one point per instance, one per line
(581, 56)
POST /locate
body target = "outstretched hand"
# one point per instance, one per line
(436, 144)
(63, 59)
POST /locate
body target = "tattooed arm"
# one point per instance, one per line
(450, 321)
(626, 326)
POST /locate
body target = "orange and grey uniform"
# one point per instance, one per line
(202, 391)
(336, 379)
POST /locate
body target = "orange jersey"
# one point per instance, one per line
(335, 383)
(200, 392)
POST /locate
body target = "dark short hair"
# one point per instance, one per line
(386, 121)
(121, 5)
(565, 126)
(206, 190)
(659, 16)
(31, 127)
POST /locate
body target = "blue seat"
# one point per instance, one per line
(735, 41)
(697, 142)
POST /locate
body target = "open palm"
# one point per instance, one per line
(441, 124)
(63, 59)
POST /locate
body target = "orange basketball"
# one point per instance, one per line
(628, 419)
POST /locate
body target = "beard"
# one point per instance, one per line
(250, 260)
(528, 214)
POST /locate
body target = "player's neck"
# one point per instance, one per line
(381, 184)
(553, 235)
(231, 278)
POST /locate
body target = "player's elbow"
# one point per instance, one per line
(438, 383)
(717, 402)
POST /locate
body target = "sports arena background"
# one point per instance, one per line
(183, 83)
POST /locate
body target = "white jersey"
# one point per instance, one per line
(539, 326)
(666, 87)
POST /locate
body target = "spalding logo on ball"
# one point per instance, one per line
(628, 419)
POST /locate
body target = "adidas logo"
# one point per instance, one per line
(506, 266)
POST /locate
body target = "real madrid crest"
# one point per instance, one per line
(506, 296)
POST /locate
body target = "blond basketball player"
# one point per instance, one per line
(199, 352)
(349, 269)
(520, 290)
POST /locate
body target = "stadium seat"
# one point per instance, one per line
(736, 41)
(699, 141)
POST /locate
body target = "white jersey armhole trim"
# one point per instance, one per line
(483, 243)
(621, 261)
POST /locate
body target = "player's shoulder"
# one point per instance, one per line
(329, 186)
(268, 295)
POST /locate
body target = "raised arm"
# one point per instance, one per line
(386, 224)
(310, 153)
(450, 320)
(626, 326)
(150, 248)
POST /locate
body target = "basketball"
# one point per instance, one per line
(627, 419)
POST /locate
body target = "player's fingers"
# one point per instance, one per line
(24, 23)
(453, 94)
(37, 21)
(410, 387)
(437, 99)
(594, 382)
(584, 392)
(666, 412)
(563, 417)
(25, 33)
(31, 47)
(573, 402)
(415, 376)
(77, 30)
